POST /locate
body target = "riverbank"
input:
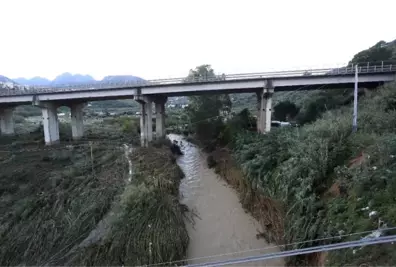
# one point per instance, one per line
(321, 180)
(221, 229)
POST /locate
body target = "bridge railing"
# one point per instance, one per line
(376, 67)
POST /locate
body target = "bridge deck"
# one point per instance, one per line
(369, 76)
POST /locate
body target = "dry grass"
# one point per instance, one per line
(149, 227)
(51, 200)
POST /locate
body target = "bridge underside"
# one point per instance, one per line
(13, 100)
(368, 85)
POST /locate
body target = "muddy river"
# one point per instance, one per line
(222, 229)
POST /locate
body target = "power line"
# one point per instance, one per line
(288, 253)
(277, 246)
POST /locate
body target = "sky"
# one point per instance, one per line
(164, 39)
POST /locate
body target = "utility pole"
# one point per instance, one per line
(355, 101)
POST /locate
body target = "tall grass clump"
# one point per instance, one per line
(306, 170)
(149, 229)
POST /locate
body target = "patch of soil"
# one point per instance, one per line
(359, 160)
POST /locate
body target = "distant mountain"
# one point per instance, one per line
(64, 78)
(122, 78)
(35, 81)
(4, 79)
(68, 78)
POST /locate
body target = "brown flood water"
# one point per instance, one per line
(223, 227)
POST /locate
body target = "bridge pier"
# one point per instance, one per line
(265, 110)
(258, 120)
(6, 121)
(77, 122)
(146, 120)
(143, 125)
(149, 119)
(160, 116)
(50, 123)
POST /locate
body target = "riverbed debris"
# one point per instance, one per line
(175, 148)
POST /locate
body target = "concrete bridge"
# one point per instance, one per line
(157, 91)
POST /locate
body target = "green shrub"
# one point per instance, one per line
(18, 118)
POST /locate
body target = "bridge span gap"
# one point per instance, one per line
(221, 229)
(50, 119)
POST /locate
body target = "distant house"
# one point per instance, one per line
(9, 85)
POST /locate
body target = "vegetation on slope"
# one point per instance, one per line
(307, 175)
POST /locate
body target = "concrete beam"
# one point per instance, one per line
(6, 121)
(282, 83)
(77, 120)
(50, 123)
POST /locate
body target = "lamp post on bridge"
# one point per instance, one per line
(355, 101)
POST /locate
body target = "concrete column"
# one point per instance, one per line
(50, 123)
(6, 121)
(265, 112)
(268, 111)
(146, 118)
(143, 125)
(160, 117)
(258, 121)
(77, 120)
(149, 120)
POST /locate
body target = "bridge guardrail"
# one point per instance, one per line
(350, 69)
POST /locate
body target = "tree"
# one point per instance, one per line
(203, 73)
(207, 106)
(285, 110)
(206, 111)
(381, 51)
